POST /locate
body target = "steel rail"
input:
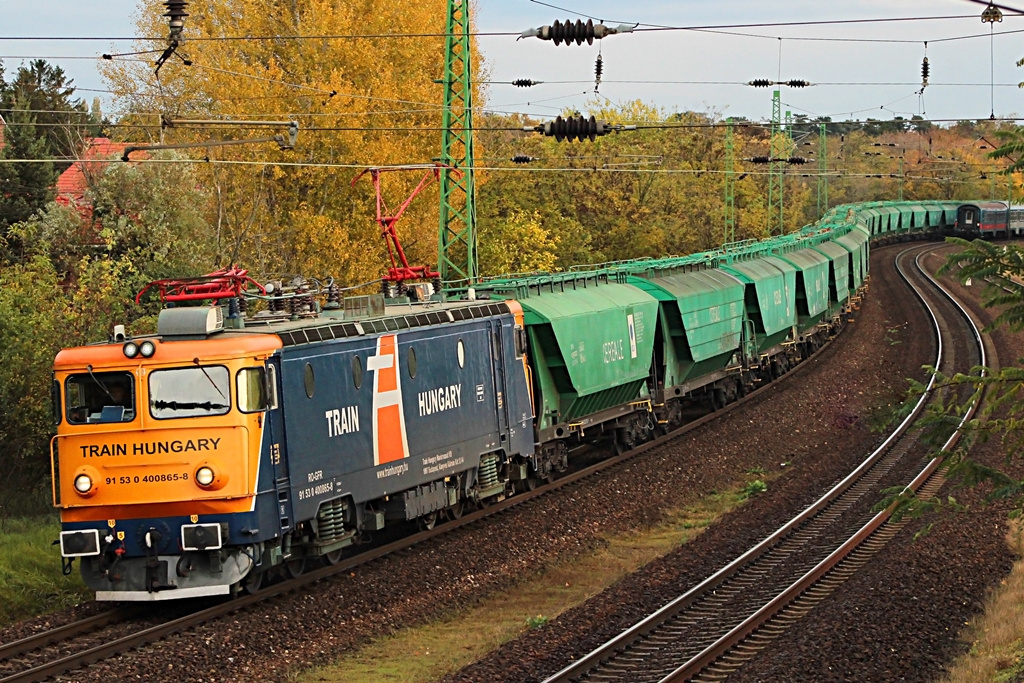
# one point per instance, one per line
(930, 474)
(154, 633)
(74, 629)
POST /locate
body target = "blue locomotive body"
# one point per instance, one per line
(412, 411)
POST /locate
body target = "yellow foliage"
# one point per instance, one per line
(359, 102)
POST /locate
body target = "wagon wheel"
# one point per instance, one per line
(717, 399)
(334, 557)
(294, 568)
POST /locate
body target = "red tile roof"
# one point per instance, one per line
(72, 183)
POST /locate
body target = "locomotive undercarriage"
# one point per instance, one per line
(166, 577)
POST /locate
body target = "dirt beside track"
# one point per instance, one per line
(900, 618)
(818, 424)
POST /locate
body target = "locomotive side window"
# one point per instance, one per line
(55, 401)
(189, 392)
(272, 386)
(308, 380)
(520, 342)
(251, 384)
(461, 353)
(357, 372)
(100, 397)
(412, 362)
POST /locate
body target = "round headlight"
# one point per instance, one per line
(83, 483)
(131, 349)
(204, 476)
(147, 349)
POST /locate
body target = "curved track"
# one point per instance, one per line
(718, 625)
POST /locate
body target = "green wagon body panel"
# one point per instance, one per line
(592, 347)
(872, 218)
(856, 243)
(770, 285)
(811, 285)
(839, 275)
(935, 214)
(701, 321)
(918, 213)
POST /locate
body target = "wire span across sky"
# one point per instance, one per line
(676, 70)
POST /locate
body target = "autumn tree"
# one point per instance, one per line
(362, 92)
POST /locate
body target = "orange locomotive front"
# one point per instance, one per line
(159, 450)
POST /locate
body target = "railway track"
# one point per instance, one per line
(720, 624)
(82, 643)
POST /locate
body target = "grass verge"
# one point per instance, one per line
(427, 653)
(31, 581)
(997, 651)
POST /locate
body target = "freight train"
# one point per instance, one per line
(225, 449)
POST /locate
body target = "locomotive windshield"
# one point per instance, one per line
(189, 392)
(100, 397)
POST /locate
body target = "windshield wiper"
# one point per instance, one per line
(196, 361)
(185, 405)
(105, 390)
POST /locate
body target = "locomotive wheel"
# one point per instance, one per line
(455, 511)
(251, 582)
(292, 569)
(333, 557)
(427, 521)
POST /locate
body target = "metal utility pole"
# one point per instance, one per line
(776, 224)
(729, 234)
(822, 170)
(457, 245)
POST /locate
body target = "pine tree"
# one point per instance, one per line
(27, 177)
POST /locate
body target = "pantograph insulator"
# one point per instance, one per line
(522, 159)
(176, 14)
(525, 83)
(760, 83)
(577, 32)
(798, 83)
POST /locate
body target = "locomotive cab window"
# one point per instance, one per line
(92, 397)
(254, 393)
(198, 391)
(520, 342)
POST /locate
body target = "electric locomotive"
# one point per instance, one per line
(194, 461)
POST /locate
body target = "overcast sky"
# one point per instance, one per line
(685, 70)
